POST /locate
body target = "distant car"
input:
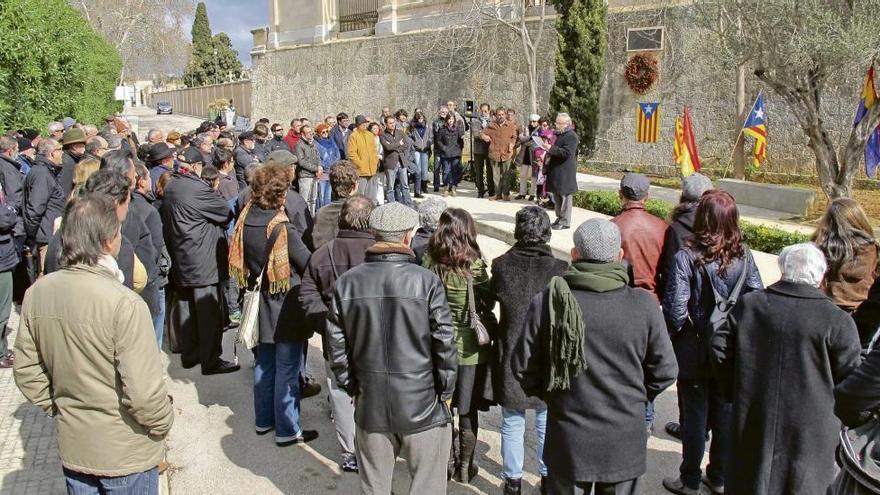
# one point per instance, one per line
(164, 107)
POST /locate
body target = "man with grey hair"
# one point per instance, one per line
(778, 361)
(429, 216)
(56, 130)
(561, 162)
(91, 130)
(391, 345)
(44, 197)
(114, 142)
(619, 358)
(11, 232)
(96, 147)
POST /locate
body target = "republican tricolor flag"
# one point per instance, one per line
(684, 150)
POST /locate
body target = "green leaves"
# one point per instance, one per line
(52, 64)
(213, 59)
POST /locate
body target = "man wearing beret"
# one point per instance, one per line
(391, 347)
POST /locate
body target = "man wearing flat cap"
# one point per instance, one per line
(245, 157)
(618, 358)
(641, 233)
(391, 346)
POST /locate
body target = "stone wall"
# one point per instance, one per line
(688, 76)
(415, 70)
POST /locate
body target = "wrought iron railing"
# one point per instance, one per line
(356, 15)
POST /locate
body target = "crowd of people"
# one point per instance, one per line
(129, 249)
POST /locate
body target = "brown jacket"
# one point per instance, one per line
(642, 236)
(503, 139)
(849, 286)
(86, 354)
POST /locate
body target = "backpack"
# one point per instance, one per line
(718, 317)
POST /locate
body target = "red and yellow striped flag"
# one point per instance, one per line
(647, 122)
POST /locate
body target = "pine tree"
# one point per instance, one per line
(580, 64)
(212, 58)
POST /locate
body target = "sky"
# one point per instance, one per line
(237, 18)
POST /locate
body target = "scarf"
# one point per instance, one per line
(566, 335)
(109, 263)
(278, 264)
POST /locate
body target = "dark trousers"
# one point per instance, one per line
(481, 163)
(199, 315)
(5, 309)
(563, 486)
(702, 408)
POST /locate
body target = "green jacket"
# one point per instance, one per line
(469, 351)
(86, 354)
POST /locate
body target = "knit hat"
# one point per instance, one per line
(24, 144)
(281, 157)
(597, 239)
(68, 122)
(693, 186)
(393, 218)
(635, 186)
(430, 211)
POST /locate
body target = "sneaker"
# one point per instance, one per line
(715, 489)
(675, 485)
(262, 430)
(310, 389)
(349, 464)
(235, 316)
(305, 436)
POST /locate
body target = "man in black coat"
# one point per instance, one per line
(10, 220)
(561, 163)
(194, 219)
(44, 197)
(245, 157)
(517, 276)
(142, 206)
(778, 361)
(327, 263)
(596, 434)
(74, 142)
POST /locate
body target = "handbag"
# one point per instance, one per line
(477, 325)
(249, 328)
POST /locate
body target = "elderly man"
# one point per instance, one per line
(641, 233)
(44, 197)
(429, 216)
(74, 143)
(561, 163)
(785, 349)
(91, 362)
(620, 358)
(56, 130)
(502, 138)
(96, 147)
(392, 347)
(245, 157)
(327, 263)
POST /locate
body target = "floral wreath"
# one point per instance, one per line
(641, 73)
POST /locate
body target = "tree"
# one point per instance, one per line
(212, 59)
(147, 33)
(793, 47)
(53, 64)
(581, 38)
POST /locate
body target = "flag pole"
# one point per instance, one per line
(739, 135)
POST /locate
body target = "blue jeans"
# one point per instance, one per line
(451, 171)
(513, 430)
(325, 194)
(145, 483)
(397, 186)
(277, 390)
(703, 406)
(439, 172)
(159, 320)
(649, 415)
(421, 169)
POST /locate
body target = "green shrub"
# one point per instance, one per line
(757, 237)
(53, 64)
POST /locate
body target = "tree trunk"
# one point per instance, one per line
(739, 157)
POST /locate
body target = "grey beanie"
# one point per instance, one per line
(597, 239)
(430, 211)
(693, 186)
(393, 218)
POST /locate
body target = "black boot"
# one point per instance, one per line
(453, 465)
(512, 486)
(469, 468)
(544, 485)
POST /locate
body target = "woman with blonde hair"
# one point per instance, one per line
(847, 239)
(81, 174)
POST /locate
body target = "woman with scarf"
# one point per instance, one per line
(329, 154)
(422, 135)
(279, 356)
(517, 276)
(453, 254)
(715, 255)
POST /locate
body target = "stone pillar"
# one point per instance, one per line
(387, 23)
(298, 22)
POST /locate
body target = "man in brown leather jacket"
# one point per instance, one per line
(642, 234)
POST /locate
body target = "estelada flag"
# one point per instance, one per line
(872, 147)
(648, 122)
(684, 150)
(756, 127)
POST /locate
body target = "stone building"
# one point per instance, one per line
(319, 57)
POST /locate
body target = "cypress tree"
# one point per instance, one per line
(212, 57)
(201, 28)
(580, 64)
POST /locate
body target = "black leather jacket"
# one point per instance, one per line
(391, 344)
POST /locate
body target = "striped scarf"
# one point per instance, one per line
(278, 264)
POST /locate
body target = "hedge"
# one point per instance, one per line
(52, 65)
(758, 237)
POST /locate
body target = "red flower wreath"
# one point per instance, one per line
(640, 73)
